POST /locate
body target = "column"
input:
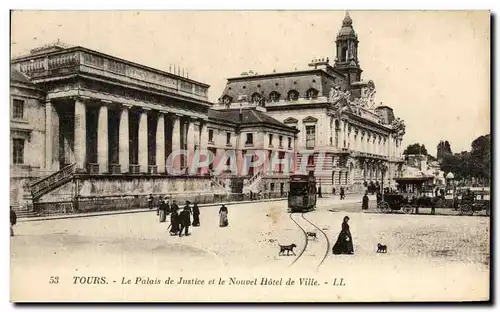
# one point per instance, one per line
(143, 141)
(190, 142)
(160, 143)
(48, 135)
(203, 143)
(123, 140)
(176, 140)
(102, 139)
(80, 134)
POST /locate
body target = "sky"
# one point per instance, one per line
(432, 68)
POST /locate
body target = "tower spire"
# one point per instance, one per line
(347, 51)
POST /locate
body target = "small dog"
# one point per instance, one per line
(288, 249)
(312, 235)
(381, 248)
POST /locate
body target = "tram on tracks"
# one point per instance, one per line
(302, 194)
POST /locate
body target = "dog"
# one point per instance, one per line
(312, 235)
(288, 249)
(381, 248)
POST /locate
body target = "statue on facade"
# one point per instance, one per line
(399, 126)
(335, 95)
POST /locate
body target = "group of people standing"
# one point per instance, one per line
(180, 221)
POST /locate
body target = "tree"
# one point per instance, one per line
(480, 158)
(443, 148)
(415, 149)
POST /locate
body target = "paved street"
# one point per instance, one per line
(422, 249)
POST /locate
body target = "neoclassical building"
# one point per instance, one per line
(90, 131)
(350, 141)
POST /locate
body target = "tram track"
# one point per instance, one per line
(307, 227)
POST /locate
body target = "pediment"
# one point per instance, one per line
(310, 119)
(290, 120)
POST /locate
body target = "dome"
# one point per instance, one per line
(450, 176)
(347, 29)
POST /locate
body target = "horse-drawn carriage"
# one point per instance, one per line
(474, 201)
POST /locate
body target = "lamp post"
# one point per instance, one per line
(383, 169)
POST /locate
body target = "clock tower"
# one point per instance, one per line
(346, 61)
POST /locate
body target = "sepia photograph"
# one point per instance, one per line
(250, 156)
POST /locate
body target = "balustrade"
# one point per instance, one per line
(115, 168)
(93, 168)
(134, 169)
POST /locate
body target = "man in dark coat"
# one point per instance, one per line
(342, 193)
(185, 221)
(174, 222)
(364, 206)
(196, 215)
(13, 220)
(174, 206)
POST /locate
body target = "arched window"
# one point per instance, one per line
(312, 93)
(256, 97)
(274, 96)
(337, 132)
(343, 56)
(293, 95)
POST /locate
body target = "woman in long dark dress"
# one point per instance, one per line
(196, 215)
(174, 222)
(364, 206)
(223, 216)
(344, 240)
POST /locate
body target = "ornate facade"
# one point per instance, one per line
(352, 141)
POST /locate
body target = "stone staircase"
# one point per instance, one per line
(253, 184)
(53, 181)
(219, 185)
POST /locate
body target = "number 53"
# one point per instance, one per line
(54, 280)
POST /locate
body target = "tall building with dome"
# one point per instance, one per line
(348, 139)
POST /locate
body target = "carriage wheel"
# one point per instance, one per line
(383, 206)
(407, 209)
(466, 209)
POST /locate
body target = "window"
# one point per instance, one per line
(256, 98)
(18, 109)
(274, 96)
(293, 95)
(270, 140)
(249, 140)
(310, 160)
(312, 93)
(310, 136)
(289, 142)
(18, 151)
(228, 138)
(210, 135)
(280, 138)
(272, 187)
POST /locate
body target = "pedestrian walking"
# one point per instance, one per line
(13, 220)
(196, 215)
(333, 191)
(364, 205)
(150, 201)
(163, 208)
(174, 222)
(223, 222)
(160, 202)
(174, 206)
(185, 221)
(344, 240)
(342, 193)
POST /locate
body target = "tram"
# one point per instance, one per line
(302, 194)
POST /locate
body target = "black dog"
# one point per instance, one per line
(381, 248)
(312, 235)
(288, 249)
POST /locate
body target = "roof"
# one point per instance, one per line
(249, 117)
(16, 75)
(282, 83)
